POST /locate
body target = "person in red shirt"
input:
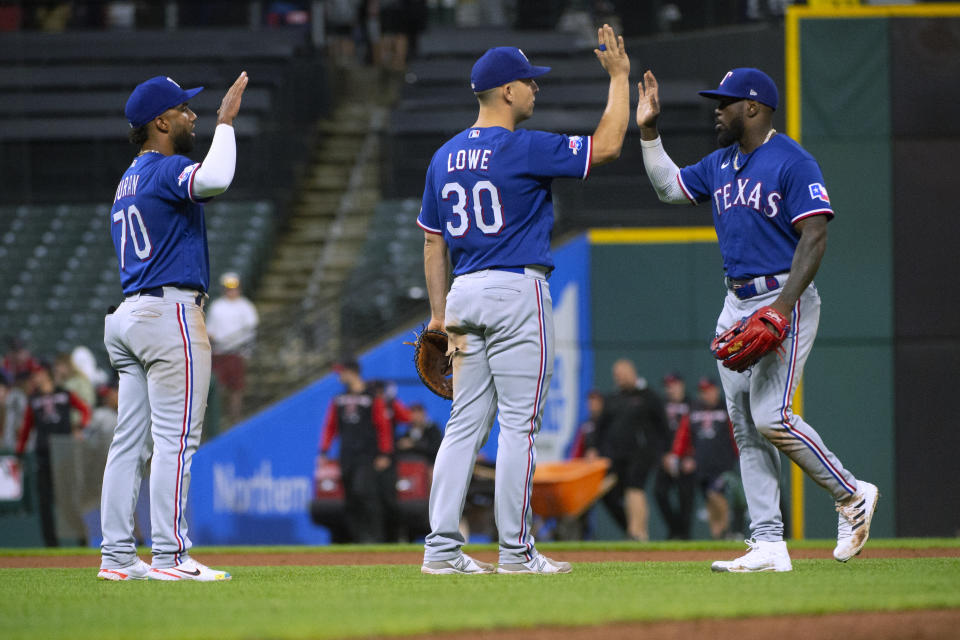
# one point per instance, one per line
(704, 444)
(48, 412)
(359, 417)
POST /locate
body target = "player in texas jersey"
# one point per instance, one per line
(770, 210)
(487, 208)
(156, 338)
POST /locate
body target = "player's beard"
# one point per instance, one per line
(731, 133)
(183, 142)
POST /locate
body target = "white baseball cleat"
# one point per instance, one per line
(853, 526)
(539, 564)
(190, 569)
(137, 571)
(462, 564)
(763, 556)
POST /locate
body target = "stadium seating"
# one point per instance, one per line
(61, 119)
(58, 271)
(436, 103)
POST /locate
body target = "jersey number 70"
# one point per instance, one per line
(143, 250)
(460, 208)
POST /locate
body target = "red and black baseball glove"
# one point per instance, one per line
(743, 344)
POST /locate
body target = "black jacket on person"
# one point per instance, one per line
(633, 425)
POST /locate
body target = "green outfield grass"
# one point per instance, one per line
(338, 601)
(606, 545)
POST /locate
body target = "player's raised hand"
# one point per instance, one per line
(648, 106)
(611, 53)
(230, 105)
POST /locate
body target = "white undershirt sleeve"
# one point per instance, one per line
(215, 173)
(663, 172)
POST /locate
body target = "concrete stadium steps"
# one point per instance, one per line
(299, 294)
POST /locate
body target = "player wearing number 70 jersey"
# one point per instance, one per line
(156, 338)
(487, 207)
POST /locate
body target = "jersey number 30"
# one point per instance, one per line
(460, 208)
(141, 247)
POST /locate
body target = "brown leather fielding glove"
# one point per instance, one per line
(432, 362)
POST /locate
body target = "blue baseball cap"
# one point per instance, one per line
(746, 83)
(153, 97)
(501, 65)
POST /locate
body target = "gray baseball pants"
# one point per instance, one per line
(160, 349)
(759, 402)
(501, 324)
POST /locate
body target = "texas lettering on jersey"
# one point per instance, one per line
(756, 202)
(745, 192)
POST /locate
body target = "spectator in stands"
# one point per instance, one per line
(104, 418)
(359, 417)
(587, 428)
(70, 378)
(674, 484)
(14, 408)
(5, 385)
(86, 363)
(401, 22)
(632, 432)
(342, 17)
(18, 359)
(48, 411)
(422, 437)
(232, 326)
(704, 443)
(288, 14)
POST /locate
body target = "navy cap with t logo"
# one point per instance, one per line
(153, 97)
(501, 65)
(746, 83)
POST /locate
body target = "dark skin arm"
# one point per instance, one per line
(806, 262)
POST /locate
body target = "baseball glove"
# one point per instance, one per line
(743, 344)
(432, 362)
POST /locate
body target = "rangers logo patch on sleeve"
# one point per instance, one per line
(186, 173)
(575, 144)
(819, 192)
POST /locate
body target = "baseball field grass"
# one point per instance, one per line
(323, 600)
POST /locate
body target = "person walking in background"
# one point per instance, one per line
(632, 433)
(232, 326)
(703, 445)
(487, 209)
(770, 209)
(157, 338)
(48, 413)
(359, 417)
(674, 485)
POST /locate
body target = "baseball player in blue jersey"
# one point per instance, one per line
(487, 210)
(156, 338)
(770, 209)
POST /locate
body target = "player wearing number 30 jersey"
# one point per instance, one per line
(487, 208)
(156, 338)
